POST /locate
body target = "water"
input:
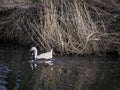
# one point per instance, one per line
(67, 73)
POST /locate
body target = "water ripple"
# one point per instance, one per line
(4, 70)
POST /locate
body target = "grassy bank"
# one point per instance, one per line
(64, 25)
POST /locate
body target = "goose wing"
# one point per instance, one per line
(47, 55)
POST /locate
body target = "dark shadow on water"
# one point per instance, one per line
(67, 73)
(12, 63)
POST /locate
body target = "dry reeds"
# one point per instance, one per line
(66, 26)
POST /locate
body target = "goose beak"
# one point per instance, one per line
(30, 50)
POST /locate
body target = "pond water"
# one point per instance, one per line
(67, 73)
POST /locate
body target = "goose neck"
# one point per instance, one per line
(35, 53)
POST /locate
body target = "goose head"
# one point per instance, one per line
(34, 49)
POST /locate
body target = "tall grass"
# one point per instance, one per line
(66, 26)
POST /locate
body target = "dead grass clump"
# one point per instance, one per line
(11, 27)
(65, 25)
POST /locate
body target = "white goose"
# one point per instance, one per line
(42, 58)
(46, 56)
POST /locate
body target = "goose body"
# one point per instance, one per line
(47, 55)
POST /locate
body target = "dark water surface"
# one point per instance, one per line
(67, 73)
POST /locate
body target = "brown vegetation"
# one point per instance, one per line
(69, 27)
